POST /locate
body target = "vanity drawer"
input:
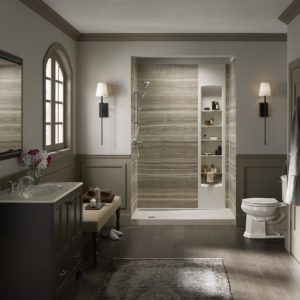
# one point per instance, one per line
(62, 271)
(75, 252)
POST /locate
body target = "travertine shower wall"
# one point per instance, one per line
(168, 162)
(232, 137)
(134, 173)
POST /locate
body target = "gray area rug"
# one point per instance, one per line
(164, 279)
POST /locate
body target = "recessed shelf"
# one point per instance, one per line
(216, 110)
(219, 184)
(208, 140)
(211, 126)
(218, 173)
(210, 155)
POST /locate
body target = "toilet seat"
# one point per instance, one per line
(261, 202)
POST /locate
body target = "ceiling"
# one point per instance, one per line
(172, 16)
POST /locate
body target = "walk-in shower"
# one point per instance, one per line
(180, 166)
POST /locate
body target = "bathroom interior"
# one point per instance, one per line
(186, 142)
(183, 140)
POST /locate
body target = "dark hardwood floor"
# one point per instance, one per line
(257, 269)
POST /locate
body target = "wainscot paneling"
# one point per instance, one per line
(107, 172)
(61, 169)
(258, 176)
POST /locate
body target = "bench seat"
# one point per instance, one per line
(94, 220)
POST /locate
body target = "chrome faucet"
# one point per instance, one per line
(21, 186)
(12, 186)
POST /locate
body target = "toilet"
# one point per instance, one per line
(265, 217)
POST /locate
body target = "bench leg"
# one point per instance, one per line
(95, 247)
(118, 218)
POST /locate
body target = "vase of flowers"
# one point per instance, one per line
(35, 161)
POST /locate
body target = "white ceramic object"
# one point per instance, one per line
(44, 192)
(260, 211)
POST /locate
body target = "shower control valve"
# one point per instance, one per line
(136, 142)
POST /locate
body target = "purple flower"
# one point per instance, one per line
(34, 151)
(49, 159)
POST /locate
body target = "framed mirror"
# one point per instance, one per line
(10, 105)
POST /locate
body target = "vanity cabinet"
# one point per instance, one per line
(41, 245)
(68, 239)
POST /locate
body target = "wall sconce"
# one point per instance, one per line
(264, 91)
(101, 91)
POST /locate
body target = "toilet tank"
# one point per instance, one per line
(283, 179)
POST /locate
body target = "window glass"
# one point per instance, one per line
(55, 103)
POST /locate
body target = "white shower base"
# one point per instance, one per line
(183, 216)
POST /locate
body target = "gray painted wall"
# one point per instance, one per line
(27, 35)
(111, 62)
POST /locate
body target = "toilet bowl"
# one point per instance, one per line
(261, 212)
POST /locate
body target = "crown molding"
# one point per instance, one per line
(290, 13)
(42, 9)
(166, 37)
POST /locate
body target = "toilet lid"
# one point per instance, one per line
(261, 201)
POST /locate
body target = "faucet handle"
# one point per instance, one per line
(12, 186)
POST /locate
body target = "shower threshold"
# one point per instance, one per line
(183, 216)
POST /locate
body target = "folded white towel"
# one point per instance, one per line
(109, 234)
(119, 233)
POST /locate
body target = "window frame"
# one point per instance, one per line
(57, 53)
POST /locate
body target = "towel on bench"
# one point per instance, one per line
(106, 196)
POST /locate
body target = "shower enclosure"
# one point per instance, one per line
(167, 179)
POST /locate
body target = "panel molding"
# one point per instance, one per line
(290, 13)
(121, 162)
(255, 163)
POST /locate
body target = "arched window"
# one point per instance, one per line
(57, 99)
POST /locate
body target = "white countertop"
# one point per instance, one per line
(42, 193)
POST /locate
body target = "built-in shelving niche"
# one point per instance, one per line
(212, 137)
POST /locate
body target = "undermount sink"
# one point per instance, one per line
(44, 192)
(40, 190)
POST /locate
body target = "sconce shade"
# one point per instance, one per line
(264, 89)
(101, 90)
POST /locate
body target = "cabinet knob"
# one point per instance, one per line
(63, 272)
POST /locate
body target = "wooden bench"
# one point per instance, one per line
(94, 220)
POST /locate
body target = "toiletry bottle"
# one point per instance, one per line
(98, 195)
(220, 150)
(217, 105)
(212, 121)
(212, 168)
(213, 105)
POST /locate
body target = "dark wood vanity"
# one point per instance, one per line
(41, 245)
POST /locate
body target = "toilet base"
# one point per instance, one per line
(257, 230)
(253, 236)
